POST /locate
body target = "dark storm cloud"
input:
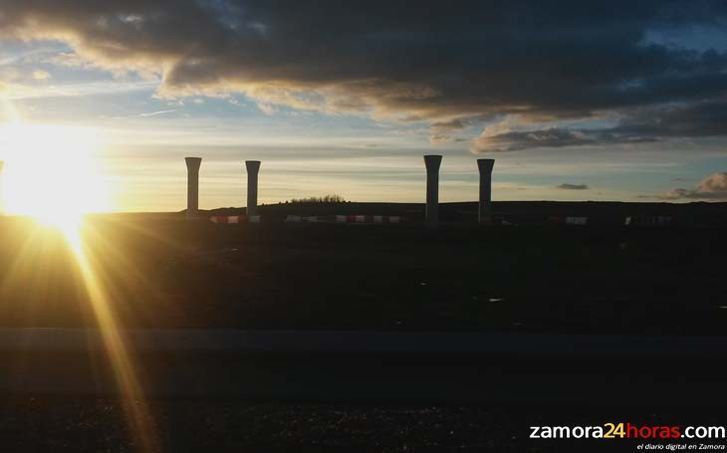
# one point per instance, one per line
(566, 186)
(450, 65)
(698, 119)
(553, 138)
(639, 125)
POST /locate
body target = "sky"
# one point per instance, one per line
(575, 100)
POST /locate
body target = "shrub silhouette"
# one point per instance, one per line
(324, 200)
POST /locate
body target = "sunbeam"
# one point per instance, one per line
(135, 405)
(51, 176)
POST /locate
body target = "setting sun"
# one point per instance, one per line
(51, 173)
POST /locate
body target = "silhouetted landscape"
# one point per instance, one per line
(242, 225)
(529, 276)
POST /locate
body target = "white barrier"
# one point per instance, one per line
(647, 220)
(376, 219)
(233, 219)
(227, 219)
(358, 219)
(576, 220)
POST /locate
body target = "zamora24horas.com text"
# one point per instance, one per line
(626, 430)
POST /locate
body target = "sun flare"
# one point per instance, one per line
(51, 173)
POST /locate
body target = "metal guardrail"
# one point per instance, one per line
(373, 366)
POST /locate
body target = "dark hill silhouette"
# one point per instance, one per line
(600, 213)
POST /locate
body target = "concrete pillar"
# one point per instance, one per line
(193, 164)
(253, 167)
(432, 163)
(484, 211)
(2, 200)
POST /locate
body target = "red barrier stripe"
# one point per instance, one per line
(227, 219)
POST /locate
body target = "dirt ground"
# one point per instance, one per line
(66, 424)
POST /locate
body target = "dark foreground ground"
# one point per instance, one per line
(68, 424)
(163, 271)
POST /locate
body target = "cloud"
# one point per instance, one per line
(518, 140)
(567, 186)
(444, 130)
(41, 75)
(449, 67)
(656, 123)
(713, 187)
(157, 113)
(266, 108)
(553, 138)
